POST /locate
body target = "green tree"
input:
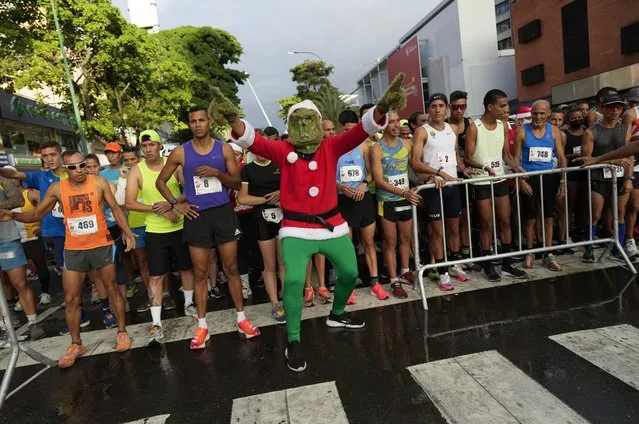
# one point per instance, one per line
(311, 76)
(330, 103)
(285, 105)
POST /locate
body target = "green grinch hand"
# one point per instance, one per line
(395, 97)
(221, 110)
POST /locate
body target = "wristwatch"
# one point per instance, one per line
(173, 202)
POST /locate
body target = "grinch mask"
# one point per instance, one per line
(305, 130)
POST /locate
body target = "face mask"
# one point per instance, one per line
(576, 124)
(305, 130)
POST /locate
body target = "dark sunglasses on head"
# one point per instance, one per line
(458, 107)
(75, 166)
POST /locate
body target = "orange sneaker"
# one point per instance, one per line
(378, 291)
(72, 353)
(309, 295)
(123, 343)
(201, 337)
(351, 299)
(246, 328)
(323, 295)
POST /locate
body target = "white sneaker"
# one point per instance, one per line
(45, 298)
(190, 310)
(457, 272)
(631, 248)
(444, 282)
(18, 307)
(246, 288)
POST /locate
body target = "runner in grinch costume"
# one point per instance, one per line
(311, 222)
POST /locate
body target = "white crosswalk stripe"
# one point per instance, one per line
(487, 388)
(614, 349)
(158, 419)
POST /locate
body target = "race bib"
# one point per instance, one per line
(399, 181)
(206, 185)
(273, 215)
(493, 163)
(619, 172)
(7, 255)
(576, 150)
(540, 154)
(83, 226)
(444, 160)
(350, 174)
(57, 210)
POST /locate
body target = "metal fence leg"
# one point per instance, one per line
(420, 278)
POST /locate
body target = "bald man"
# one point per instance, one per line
(536, 143)
(328, 128)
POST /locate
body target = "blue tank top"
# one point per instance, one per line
(351, 168)
(395, 169)
(207, 192)
(537, 153)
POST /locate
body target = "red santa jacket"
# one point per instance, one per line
(308, 186)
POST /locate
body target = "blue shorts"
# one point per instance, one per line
(139, 240)
(12, 255)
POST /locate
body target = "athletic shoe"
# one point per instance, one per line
(279, 316)
(407, 278)
(551, 263)
(190, 310)
(361, 251)
(221, 277)
(510, 271)
(110, 321)
(18, 307)
(398, 291)
(351, 299)
(491, 273)
(199, 340)
(95, 297)
(294, 356)
(433, 274)
(216, 293)
(168, 304)
(84, 321)
(138, 280)
(15, 320)
(260, 281)
(324, 296)
(343, 321)
(156, 335)
(631, 248)
(123, 342)
(131, 291)
(45, 298)
(309, 295)
(247, 329)
(181, 289)
(144, 307)
(71, 355)
(359, 282)
(444, 282)
(246, 289)
(378, 291)
(58, 269)
(31, 274)
(35, 332)
(127, 306)
(332, 276)
(457, 272)
(4, 341)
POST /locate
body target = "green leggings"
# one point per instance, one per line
(296, 253)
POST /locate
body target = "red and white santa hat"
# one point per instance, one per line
(524, 111)
(306, 104)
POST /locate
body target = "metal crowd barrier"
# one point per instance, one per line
(609, 242)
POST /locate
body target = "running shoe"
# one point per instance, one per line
(324, 296)
(510, 271)
(407, 278)
(216, 293)
(295, 357)
(260, 281)
(199, 340)
(444, 282)
(491, 273)
(123, 342)
(144, 307)
(246, 289)
(127, 305)
(378, 291)
(18, 307)
(221, 277)
(138, 280)
(110, 321)
(551, 263)
(45, 298)
(459, 274)
(343, 321)
(181, 289)
(71, 355)
(471, 266)
(58, 269)
(190, 310)
(631, 248)
(247, 329)
(35, 332)
(84, 321)
(398, 291)
(131, 291)
(168, 304)
(351, 299)
(433, 274)
(95, 297)
(31, 274)
(279, 316)
(309, 295)
(4, 341)
(156, 335)
(332, 276)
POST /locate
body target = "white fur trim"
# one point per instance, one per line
(313, 191)
(314, 233)
(247, 138)
(291, 157)
(236, 147)
(368, 122)
(306, 104)
(312, 165)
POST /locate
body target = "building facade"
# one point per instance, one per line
(144, 13)
(568, 49)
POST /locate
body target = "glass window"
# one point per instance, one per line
(506, 43)
(502, 7)
(503, 26)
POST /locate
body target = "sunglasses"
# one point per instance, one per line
(614, 106)
(75, 166)
(458, 107)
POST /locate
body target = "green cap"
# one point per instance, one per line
(153, 136)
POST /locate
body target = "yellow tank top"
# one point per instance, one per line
(150, 195)
(488, 149)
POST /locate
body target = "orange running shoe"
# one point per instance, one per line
(309, 295)
(123, 343)
(246, 328)
(72, 353)
(378, 291)
(351, 299)
(324, 295)
(201, 337)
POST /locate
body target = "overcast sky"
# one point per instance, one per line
(348, 34)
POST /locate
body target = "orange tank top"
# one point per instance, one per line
(84, 221)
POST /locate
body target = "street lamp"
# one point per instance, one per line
(311, 53)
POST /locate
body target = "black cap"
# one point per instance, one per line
(438, 96)
(633, 95)
(612, 99)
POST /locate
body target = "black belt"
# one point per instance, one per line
(313, 219)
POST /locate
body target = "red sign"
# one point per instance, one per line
(406, 60)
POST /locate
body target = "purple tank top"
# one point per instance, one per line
(208, 192)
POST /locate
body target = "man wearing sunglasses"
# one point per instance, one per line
(88, 244)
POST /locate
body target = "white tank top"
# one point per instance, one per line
(635, 126)
(439, 150)
(488, 149)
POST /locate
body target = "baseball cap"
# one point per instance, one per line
(438, 96)
(612, 99)
(113, 147)
(633, 95)
(153, 136)
(236, 147)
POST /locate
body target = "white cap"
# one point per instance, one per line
(306, 104)
(236, 148)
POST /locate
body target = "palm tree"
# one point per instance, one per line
(330, 103)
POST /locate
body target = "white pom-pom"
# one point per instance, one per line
(291, 157)
(312, 165)
(313, 191)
